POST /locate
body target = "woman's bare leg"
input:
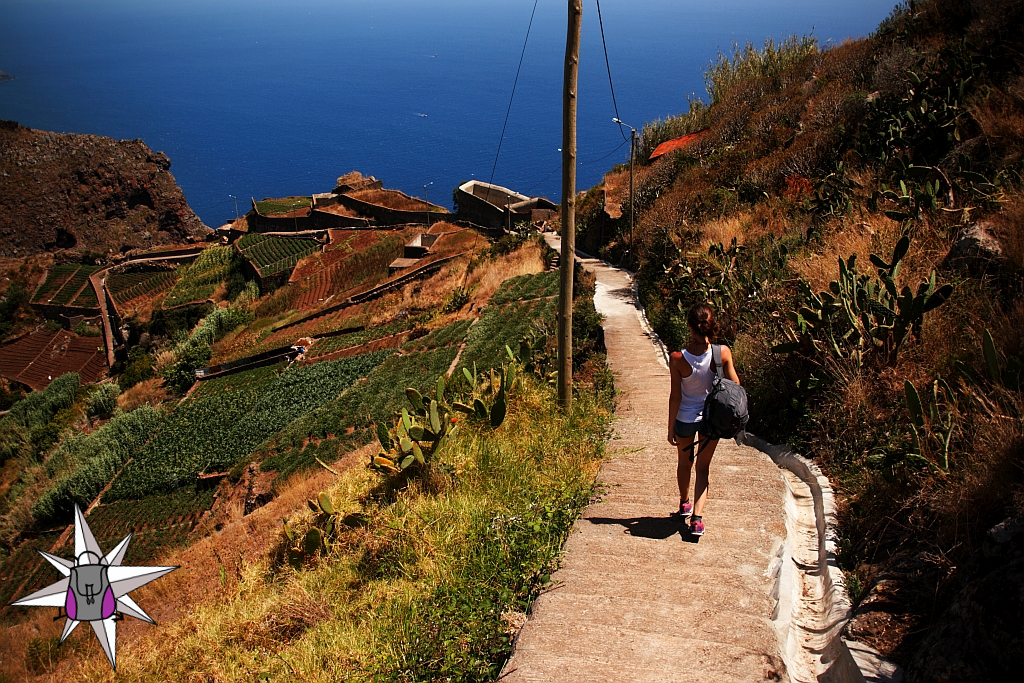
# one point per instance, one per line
(706, 450)
(684, 448)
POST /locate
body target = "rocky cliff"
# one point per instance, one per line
(86, 193)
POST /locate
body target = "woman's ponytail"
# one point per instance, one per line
(702, 320)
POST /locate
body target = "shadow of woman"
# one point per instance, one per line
(658, 528)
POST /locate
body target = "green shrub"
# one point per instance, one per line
(139, 368)
(726, 72)
(199, 280)
(103, 400)
(34, 412)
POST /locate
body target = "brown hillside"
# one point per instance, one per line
(86, 193)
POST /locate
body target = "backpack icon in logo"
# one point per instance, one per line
(95, 587)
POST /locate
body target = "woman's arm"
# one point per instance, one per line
(728, 368)
(676, 366)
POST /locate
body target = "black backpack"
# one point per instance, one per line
(725, 408)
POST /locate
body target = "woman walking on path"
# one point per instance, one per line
(692, 376)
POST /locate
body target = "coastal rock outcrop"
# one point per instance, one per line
(86, 193)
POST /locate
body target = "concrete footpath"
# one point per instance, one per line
(637, 598)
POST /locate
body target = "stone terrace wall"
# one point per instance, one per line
(386, 216)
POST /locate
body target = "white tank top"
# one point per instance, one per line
(696, 387)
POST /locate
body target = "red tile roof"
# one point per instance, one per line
(678, 143)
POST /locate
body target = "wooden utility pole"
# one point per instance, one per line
(566, 263)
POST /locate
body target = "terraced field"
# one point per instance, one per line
(159, 523)
(39, 356)
(271, 255)
(349, 420)
(67, 284)
(342, 271)
(284, 205)
(125, 287)
(229, 420)
(525, 287)
(26, 566)
(200, 279)
(503, 324)
(55, 279)
(327, 345)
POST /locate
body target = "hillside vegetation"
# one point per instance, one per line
(856, 215)
(425, 475)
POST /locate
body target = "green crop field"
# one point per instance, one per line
(272, 254)
(124, 287)
(250, 379)
(62, 285)
(87, 299)
(270, 207)
(505, 324)
(25, 564)
(323, 432)
(442, 336)
(55, 279)
(158, 523)
(212, 432)
(327, 345)
(85, 463)
(527, 287)
(199, 279)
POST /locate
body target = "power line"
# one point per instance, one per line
(582, 163)
(516, 82)
(608, 66)
(594, 161)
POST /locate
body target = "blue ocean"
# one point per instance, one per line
(271, 98)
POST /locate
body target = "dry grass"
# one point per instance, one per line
(432, 292)
(724, 230)
(149, 392)
(873, 233)
(485, 281)
(222, 567)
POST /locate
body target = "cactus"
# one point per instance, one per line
(862, 314)
(326, 525)
(417, 435)
(931, 433)
(991, 358)
(414, 438)
(991, 394)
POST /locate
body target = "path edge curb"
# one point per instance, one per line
(846, 661)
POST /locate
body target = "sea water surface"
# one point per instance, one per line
(273, 97)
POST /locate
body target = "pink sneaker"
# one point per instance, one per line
(697, 527)
(685, 509)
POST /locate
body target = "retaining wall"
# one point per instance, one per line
(387, 216)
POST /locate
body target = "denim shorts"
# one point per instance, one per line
(686, 429)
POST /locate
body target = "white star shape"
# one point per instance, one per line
(122, 580)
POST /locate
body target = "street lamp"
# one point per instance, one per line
(236, 205)
(428, 201)
(632, 146)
